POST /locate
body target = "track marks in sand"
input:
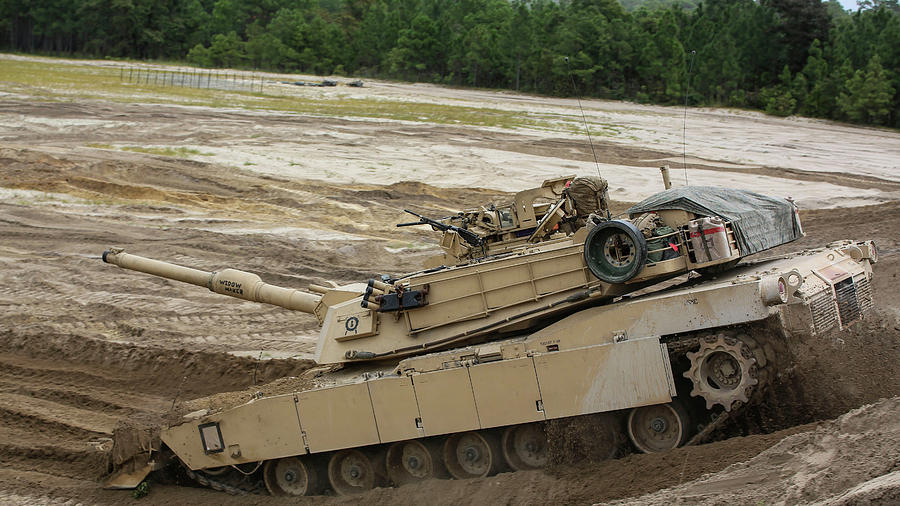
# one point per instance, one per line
(52, 413)
(57, 420)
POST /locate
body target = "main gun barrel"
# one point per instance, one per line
(231, 282)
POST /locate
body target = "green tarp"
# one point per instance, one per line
(759, 222)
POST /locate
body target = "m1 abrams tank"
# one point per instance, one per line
(542, 311)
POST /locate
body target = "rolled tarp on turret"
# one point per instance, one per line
(760, 222)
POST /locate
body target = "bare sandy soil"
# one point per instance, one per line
(84, 345)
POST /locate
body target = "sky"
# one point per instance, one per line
(849, 4)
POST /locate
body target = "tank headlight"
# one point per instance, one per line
(211, 436)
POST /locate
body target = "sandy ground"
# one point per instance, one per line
(818, 163)
(86, 345)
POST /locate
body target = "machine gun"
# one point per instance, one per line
(467, 235)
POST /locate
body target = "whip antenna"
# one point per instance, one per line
(583, 118)
(684, 122)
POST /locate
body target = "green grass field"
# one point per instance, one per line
(62, 80)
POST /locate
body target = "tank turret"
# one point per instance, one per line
(532, 274)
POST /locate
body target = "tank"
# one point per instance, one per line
(540, 311)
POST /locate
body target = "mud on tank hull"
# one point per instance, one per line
(651, 366)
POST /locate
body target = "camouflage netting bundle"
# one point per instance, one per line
(589, 193)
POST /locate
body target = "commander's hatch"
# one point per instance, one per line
(524, 200)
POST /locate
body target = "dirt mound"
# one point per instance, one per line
(852, 459)
(592, 438)
(181, 373)
(75, 406)
(136, 440)
(825, 376)
(884, 489)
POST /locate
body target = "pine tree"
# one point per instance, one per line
(416, 49)
(802, 21)
(868, 95)
(778, 100)
(817, 102)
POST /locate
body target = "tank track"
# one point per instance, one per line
(231, 482)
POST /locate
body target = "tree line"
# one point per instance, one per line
(783, 56)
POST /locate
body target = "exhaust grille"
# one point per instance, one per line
(823, 312)
(863, 292)
(848, 304)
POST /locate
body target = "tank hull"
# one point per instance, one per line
(632, 357)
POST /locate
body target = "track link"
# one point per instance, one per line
(230, 482)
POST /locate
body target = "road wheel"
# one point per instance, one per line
(525, 446)
(351, 472)
(472, 455)
(411, 461)
(290, 476)
(615, 251)
(658, 428)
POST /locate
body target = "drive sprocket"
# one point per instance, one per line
(723, 371)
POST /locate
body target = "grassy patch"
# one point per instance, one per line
(168, 151)
(400, 246)
(179, 152)
(51, 79)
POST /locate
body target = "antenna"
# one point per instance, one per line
(684, 122)
(583, 118)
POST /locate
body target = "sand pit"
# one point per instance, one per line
(851, 460)
(306, 199)
(362, 152)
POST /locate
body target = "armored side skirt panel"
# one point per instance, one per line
(446, 401)
(519, 390)
(604, 378)
(259, 430)
(506, 392)
(338, 417)
(396, 409)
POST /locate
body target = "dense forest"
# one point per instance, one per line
(783, 56)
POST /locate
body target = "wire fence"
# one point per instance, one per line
(194, 78)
